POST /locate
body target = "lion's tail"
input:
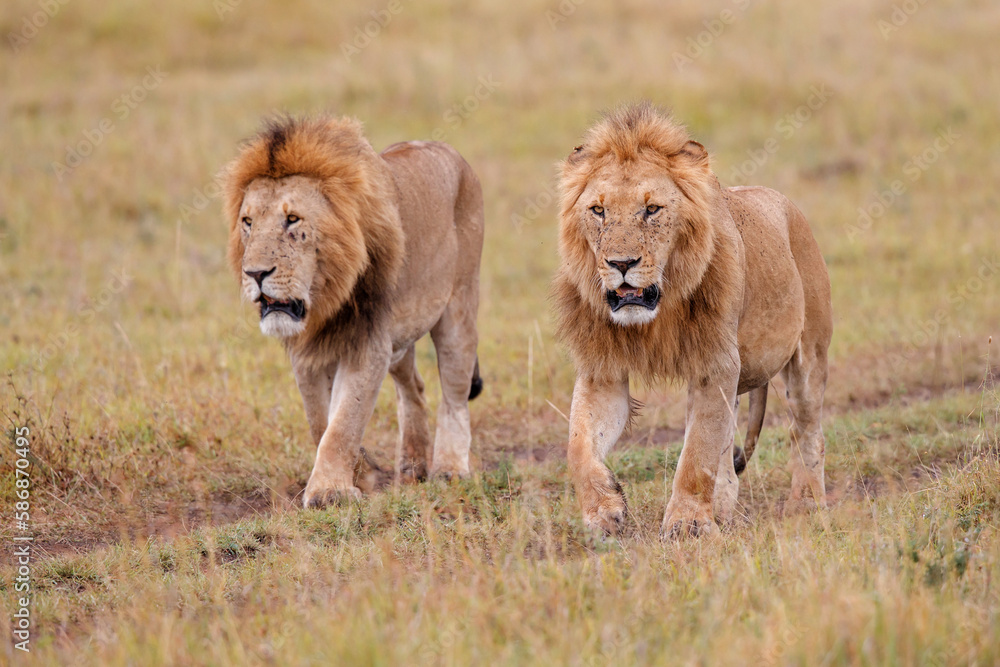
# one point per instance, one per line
(758, 404)
(477, 381)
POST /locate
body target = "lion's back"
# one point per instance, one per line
(440, 205)
(427, 175)
(433, 181)
(787, 282)
(776, 219)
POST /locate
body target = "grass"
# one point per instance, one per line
(498, 569)
(169, 440)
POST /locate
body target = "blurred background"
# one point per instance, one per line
(122, 337)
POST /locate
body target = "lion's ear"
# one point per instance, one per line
(577, 155)
(694, 154)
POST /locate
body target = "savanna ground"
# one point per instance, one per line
(168, 441)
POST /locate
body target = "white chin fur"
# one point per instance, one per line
(633, 315)
(280, 325)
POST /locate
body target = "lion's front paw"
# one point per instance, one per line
(686, 519)
(608, 515)
(799, 504)
(808, 491)
(449, 472)
(603, 502)
(412, 472)
(318, 494)
(449, 475)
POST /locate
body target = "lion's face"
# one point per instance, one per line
(279, 223)
(628, 218)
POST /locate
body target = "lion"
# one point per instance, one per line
(665, 274)
(351, 257)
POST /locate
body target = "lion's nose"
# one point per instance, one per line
(260, 275)
(622, 265)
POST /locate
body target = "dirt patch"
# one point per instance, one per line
(177, 519)
(506, 438)
(166, 521)
(509, 437)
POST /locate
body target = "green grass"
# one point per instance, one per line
(169, 441)
(498, 569)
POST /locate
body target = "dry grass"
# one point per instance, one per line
(168, 434)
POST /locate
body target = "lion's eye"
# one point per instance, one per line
(291, 220)
(247, 222)
(652, 208)
(597, 210)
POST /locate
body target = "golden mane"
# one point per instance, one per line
(361, 192)
(701, 278)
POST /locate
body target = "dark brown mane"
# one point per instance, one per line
(348, 294)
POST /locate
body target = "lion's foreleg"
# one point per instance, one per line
(708, 437)
(598, 416)
(355, 389)
(315, 385)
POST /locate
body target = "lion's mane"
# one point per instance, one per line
(702, 278)
(360, 247)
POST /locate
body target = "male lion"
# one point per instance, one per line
(666, 274)
(352, 256)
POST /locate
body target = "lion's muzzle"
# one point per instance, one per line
(626, 295)
(295, 309)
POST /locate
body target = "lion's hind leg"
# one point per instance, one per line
(806, 372)
(805, 380)
(758, 406)
(455, 339)
(414, 445)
